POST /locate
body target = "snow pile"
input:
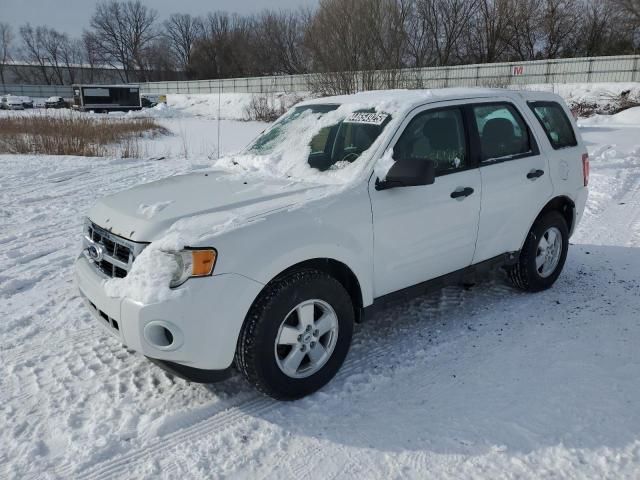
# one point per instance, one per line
(599, 93)
(150, 211)
(149, 278)
(384, 164)
(586, 99)
(152, 271)
(630, 116)
(287, 157)
(232, 106)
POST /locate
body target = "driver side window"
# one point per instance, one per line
(437, 135)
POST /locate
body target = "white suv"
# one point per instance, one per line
(342, 205)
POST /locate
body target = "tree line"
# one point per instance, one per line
(335, 36)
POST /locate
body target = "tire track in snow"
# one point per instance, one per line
(302, 459)
(230, 416)
(238, 411)
(17, 354)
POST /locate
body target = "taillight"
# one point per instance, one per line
(585, 168)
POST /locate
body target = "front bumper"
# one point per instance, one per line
(204, 319)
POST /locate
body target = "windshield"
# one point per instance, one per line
(334, 136)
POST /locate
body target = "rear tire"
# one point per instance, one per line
(292, 307)
(543, 254)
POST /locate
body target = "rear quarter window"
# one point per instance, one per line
(555, 123)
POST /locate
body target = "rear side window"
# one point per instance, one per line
(502, 131)
(556, 124)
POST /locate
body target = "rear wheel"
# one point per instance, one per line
(296, 335)
(543, 254)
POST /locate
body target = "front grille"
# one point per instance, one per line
(116, 254)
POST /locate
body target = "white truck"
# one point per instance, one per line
(343, 205)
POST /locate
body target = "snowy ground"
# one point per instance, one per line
(480, 383)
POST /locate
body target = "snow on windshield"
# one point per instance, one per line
(317, 143)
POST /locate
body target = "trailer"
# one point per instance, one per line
(106, 98)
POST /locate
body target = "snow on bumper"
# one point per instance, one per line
(204, 322)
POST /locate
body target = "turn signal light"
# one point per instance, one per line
(203, 262)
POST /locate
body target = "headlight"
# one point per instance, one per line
(193, 263)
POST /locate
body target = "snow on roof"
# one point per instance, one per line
(405, 99)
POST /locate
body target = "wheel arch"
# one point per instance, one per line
(565, 206)
(561, 204)
(338, 270)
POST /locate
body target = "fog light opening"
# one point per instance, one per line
(168, 336)
(159, 336)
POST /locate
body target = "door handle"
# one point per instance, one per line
(462, 192)
(533, 174)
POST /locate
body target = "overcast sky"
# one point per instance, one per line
(71, 16)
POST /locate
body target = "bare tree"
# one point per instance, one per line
(158, 65)
(630, 7)
(182, 31)
(6, 46)
(446, 21)
(524, 29)
(346, 36)
(278, 41)
(560, 24)
(91, 56)
(122, 31)
(34, 51)
(55, 45)
(487, 38)
(225, 51)
(72, 56)
(420, 51)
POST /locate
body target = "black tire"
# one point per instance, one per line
(525, 274)
(255, 356)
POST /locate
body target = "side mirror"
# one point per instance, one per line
(409, 173)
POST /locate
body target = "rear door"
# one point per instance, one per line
(423, 232)
(566, 154)
(516, 183)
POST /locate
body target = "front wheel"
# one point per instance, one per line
(296, 335)
(543, 254)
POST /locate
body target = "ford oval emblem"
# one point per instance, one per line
(95, 252)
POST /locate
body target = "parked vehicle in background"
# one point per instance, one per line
(150, 100)
(55, 102)
(106, 98)
(387, 195)
(11, 102)
(27, 102)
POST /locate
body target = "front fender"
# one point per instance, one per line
(338, 228)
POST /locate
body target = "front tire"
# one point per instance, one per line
(296, 335)
(543, 254)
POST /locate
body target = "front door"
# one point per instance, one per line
(423, 232)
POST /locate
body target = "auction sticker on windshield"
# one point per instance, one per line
(366, 117)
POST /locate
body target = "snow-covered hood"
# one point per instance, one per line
(144, 213)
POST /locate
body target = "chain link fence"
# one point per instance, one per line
(572, 70)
